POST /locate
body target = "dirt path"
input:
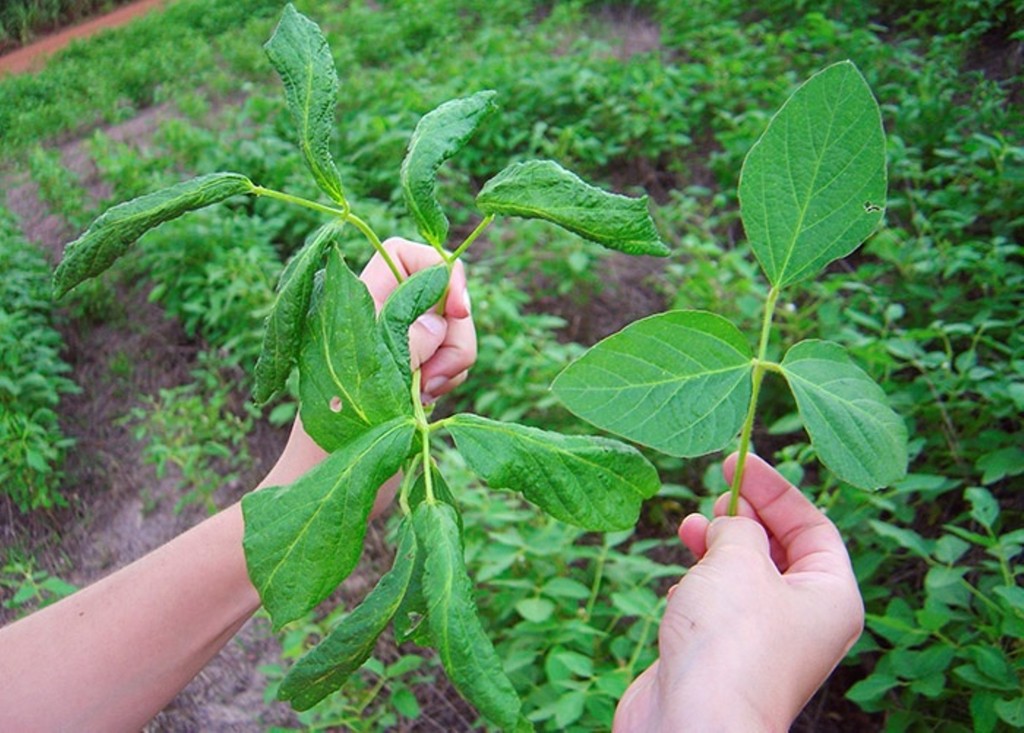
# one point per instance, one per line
(33, 56)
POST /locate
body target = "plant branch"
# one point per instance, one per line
(372, 237)
(270, 193)
(484, 223)
(760, 366)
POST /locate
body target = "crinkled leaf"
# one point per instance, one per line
(678, 382)
(852, 428)
(813, 186)
(301, 56)
(542, 189)
(326, 667)
(303, 539)
(282, 333)
(348, 380)
(465, 651)
(410, 300)
(409, 621)
(439, 135)
(594, 483)
(114, 231)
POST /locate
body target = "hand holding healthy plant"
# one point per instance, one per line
(686, 382)
(361, 397)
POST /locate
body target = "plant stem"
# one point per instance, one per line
(760, 366)
(424, 431)
(598, 576)
(299, 201)
(484, 223)
(375, 241)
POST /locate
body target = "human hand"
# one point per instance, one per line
(755, 627)
(442, 348)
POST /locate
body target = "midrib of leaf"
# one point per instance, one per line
(819, 156)
(541, 214)
(548, 448)
(350, 401)
(325, 499)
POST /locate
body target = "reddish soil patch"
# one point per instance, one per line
(33, 56)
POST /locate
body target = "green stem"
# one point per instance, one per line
(270, 193)
(408, 477)
(372, 237)
(760, 366)
(598, 576)
(424, 430)
(484, 223)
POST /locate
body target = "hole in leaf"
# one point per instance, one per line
(335, 404)
(871, 208)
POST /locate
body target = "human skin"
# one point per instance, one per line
(111, 656)
(757, 625)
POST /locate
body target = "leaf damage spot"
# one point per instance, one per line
(335, 404)
(871, 208)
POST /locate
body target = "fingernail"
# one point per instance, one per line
(434, 385)
(465, 300)
(433, 323)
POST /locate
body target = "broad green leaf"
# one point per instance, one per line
(852, 428)
(465, 651)
(542, 189)
(327, 666)
(116, 229)
(301, 56)
(303, 539)
(678, 382)
(282, 333)
(410, 300)
(594, 483)
(813, 186)
(348, 381)
(439, 135)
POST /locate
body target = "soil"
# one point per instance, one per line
(34, 55)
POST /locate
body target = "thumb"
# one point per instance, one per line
(728, 534)
(425, 337)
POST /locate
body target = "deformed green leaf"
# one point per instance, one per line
(594, 483)
(465, 651)
(679, 382)
(813, 186)
(116, 229)
(301, 56)
(409, 621)
(439, 135)
(852, 428)
(410, 300)
(542, 189)
(326, 667)
(303, 539)
(348, 380)
(282, 333)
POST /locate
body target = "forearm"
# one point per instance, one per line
(111, 656)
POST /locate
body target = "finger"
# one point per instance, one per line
(426, 335)
(408, 258)
(457, 306)
(442, 372)
(808, 539)
(741, 532)
(693, 532)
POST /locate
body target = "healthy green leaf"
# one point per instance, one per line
(282, 333)
(465, 651)
(410, 300)
(678, 382)
(299, 53)
(853, 430)
(116, 229)
(303, 539)
(348, 380)
(542, 189)
(439, 135)
(326, 667)
(813, 186)
(594, 483)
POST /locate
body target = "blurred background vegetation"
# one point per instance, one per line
(652, 96)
